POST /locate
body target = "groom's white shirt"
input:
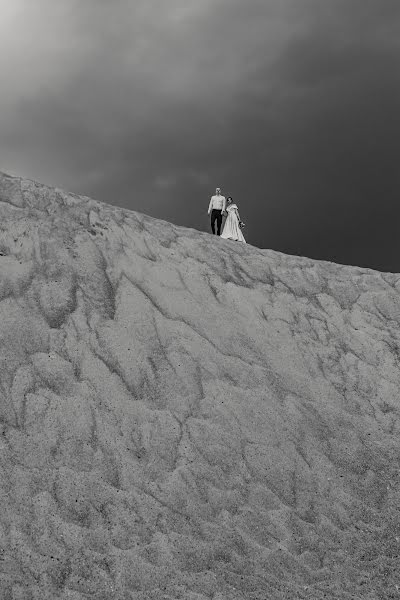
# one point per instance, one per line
(217, 202)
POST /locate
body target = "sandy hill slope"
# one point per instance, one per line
(184, 417)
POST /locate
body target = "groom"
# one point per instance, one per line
(216, 209)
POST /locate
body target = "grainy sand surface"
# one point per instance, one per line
(184, 417)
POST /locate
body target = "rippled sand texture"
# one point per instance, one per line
(184, 417)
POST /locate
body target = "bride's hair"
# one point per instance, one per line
(229, 200)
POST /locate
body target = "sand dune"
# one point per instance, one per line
(184, 417)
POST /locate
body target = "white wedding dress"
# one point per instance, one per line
(231, 229)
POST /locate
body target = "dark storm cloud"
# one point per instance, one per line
(291, 106)
(342, 88)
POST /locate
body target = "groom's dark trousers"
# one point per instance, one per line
(216, 215)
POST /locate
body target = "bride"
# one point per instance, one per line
(232, 230)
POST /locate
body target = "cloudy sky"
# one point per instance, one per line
(291, 106)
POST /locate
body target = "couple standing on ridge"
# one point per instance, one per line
(233, 225)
